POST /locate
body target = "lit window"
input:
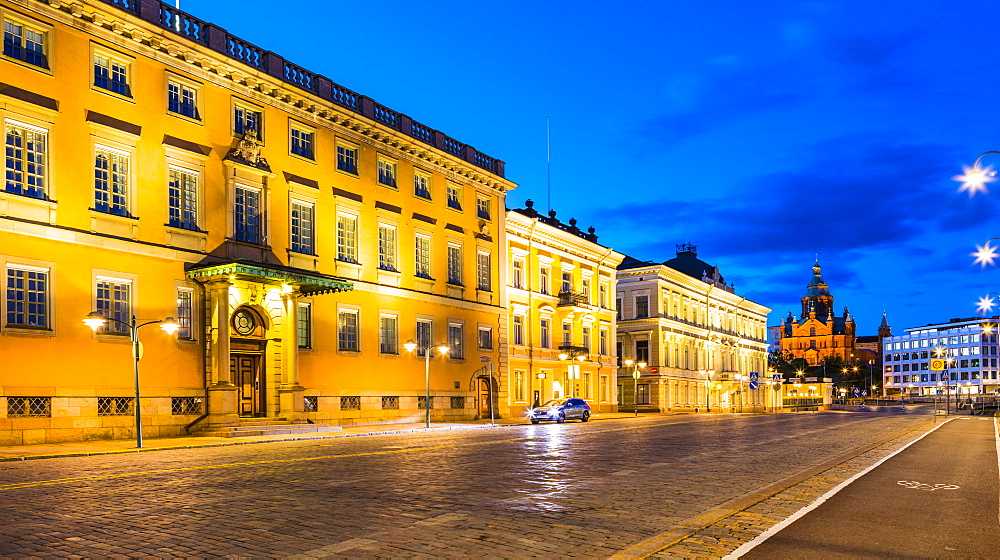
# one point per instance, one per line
(483, 208)
(387, 172)
(422, 257)
(518, 330)
(347, 330)
(302, 142)
(454, 264)
(114, 302)
(182, 194)
(27, 298)
(347, 159)
(519, 385)
(387, 247)
(422, 185)
(182, 99)
(543, 280)
(484, 276)
(456, 338)
(25, 160)
(454, 197)
(388, 335)
(518, 276)
(567, 334)
(586, 338)
(111, 182)
(247, 215)
(567, 282)
(304, 326)
(24, 43)
(485, 338)
(347, 238)
(543, 334)
(111, 73)
(302, 227)
(184, 313)
(247, 118)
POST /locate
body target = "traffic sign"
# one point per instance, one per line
(857, 392)
(754, 384)
(776, 377)
(754, 376)
(636, 373)
(940, 391)
(864, 393)
(937, 364)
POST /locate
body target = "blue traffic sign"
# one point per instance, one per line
(754, 376)
(864, 393)
(776, 377)
(754, 384)
(857, 392)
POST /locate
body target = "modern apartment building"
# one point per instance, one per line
(700, 341)
(562, 320)
(299, 232)
(967, 349)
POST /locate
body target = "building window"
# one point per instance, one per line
(642, 393)
(350, 403)
(182, 194)
(111, 73)
(484, 274)
(586, 338)
(543, 334)
(641, 307)
(485, 338)
(602, 291)
(247, 118)
(618, 308)
(304, 325)
(29, 407)
(422, 260)
(518, 334)
(347, 330)
(585, 289)
(483, 208)
(347, 159)
(423, 336)
(519, 386)
(543, 280)
(24, 43)
(182, 99)
(247, 215)
(347, 238)
(390, 403)
(302, 228)
(115, 406)
(422, 185)
(518, 275)
(302, 142)
(185, 307)
(567, 334)
(388, 335)
(185, 405)
(456, 341)
(567, 282)
(387, 172)
(454, 264)
(27, 298)
(387, 248)
(603, 348)
(25, 160)
(111, 182)
(642, 351)
(454, 197)
(114, 302)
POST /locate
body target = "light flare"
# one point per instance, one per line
(975, 178)
(985, 254)
(985, 304)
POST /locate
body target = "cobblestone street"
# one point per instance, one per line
(688, 486)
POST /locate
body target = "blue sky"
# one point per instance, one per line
(762, 132)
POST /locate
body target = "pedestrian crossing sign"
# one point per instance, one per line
(937, 364)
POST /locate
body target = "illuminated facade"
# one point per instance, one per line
(299, 232)
(817, 333)
(562, 323)
(693, 332)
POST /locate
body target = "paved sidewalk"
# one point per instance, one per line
(104, 447)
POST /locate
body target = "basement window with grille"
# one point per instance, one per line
(115, 406)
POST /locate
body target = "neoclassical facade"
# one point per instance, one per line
(694, 333)
(561, 316)
(300, 233)
(817, 333)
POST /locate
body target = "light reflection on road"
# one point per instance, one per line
(549, 463)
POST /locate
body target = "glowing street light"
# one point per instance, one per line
(986, 303)
(975, 178)
(708, 381)
(95, 320)
(443, 349)
(635, 382)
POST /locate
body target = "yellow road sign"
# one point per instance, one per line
(937, 364)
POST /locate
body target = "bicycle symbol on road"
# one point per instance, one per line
(913, 484)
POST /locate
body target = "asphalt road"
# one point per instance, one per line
(570, 490)
(937, 498)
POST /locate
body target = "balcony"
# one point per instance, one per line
(573, 299)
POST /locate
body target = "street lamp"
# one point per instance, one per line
(636, 366)
(708, 380)
(96, 320)
(443, 349)
(739, 381)
(573, 369)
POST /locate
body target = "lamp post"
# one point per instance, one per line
(739, 390)
(443, 349)
(573, 369)
(636, 367)
(96, 320)
(708, 382)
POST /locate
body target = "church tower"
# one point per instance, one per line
(884, 330)
(818, 333)
(818, 299)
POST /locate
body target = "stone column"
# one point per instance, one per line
(221, 391)
(291, 394)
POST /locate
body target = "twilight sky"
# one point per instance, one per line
(763, 132)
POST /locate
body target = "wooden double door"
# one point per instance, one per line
(248, 376)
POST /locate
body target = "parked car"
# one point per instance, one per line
(561, 410)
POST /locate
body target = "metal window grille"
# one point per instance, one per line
(390, 403)
(27, 298)
(310, 403)
(422, 402)
(387, 248)
(182, 196)
(25, 161)
(350, 403)
(29, 406)
(247, 215)
(115, 406)
(458, 402)
(185, 405)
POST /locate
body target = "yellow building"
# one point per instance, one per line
(700, 341)
(299, 233)
(562, 322)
